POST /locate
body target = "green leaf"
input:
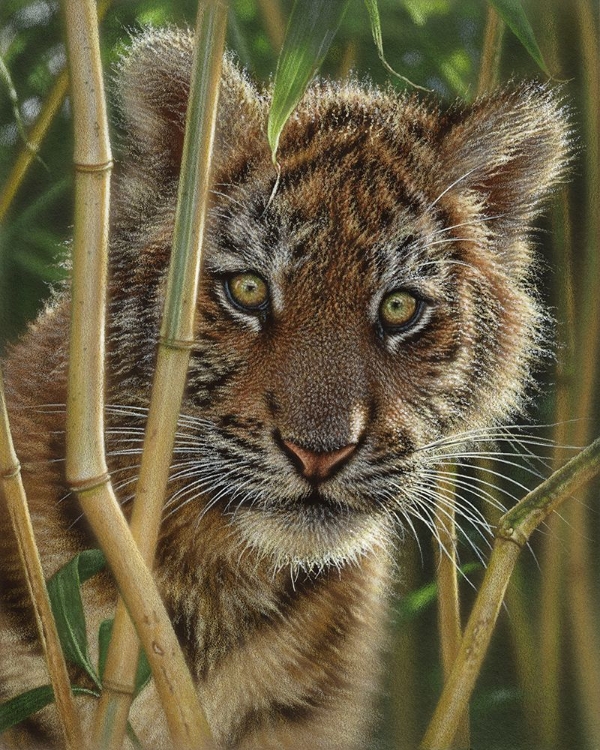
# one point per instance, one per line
(413, 603)
(373, 10)
(65, 597)
(143, 673)
(311, 28)
(18, 709)
(513, 15)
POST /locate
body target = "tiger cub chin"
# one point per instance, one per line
(376, 302)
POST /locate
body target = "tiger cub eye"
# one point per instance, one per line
(398, 309)
(248, 291)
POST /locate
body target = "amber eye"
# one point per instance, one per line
(248, 291)
(398, 310)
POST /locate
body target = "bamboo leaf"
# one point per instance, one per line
(67, 607)
(143, 674)
(17, 709)
(513, 15)
(373, 10)
(412, 604)
(311, 28)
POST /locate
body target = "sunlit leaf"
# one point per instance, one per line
(373, 10)
(67, 607)
(513, 15)
(311, 28)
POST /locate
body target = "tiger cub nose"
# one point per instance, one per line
(317, 466)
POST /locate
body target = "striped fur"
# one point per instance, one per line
(277, 586)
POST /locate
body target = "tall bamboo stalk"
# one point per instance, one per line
(489, 65)
(514, 530)
(177, 336)
(274, 22)
(449, 624)
(554, 549)
(14, 493)
(85, 465)
(582, 611)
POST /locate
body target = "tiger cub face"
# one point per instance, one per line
(371, 299)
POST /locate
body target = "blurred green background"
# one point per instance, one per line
(540, 686)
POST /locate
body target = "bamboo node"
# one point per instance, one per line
(118, 687)
(14, 471)
(181, 344)
(512, 534)
(104, 167)
(90, 483)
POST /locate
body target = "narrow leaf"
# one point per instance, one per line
(513, 15)
(67, 607)
(311, 28)
(373, 10)
(17, 709)
(413, 603)
(143, 674)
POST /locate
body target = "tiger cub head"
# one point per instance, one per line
(372, 299)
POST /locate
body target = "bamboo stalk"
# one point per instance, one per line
(553, 591)
(513, 532)
(85, 465)
(582, 613)
(177, 335)
(449, 625)
(14, 493)
(38, 132)
(274, 22)
(521, 631)
(490, 56)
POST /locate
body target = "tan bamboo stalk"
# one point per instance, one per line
(274, 22)
(513, 532)
(490, 55)
(85, 465)
(521, 630)
(177, 336)
(582, 613)
(37, 134)
(449, 624)
(14, 493)
(348, 60)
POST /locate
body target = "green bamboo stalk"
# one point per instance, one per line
(582, 613)
(37, 134)
(553, 594)
(177, 337)
(85, 461)
(514, 530)
(449, 624)
(14, 493)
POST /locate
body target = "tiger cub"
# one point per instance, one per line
(378, 301)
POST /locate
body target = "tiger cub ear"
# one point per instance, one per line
(153, 80)
(511, 148)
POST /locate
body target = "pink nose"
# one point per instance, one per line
(318, 465)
